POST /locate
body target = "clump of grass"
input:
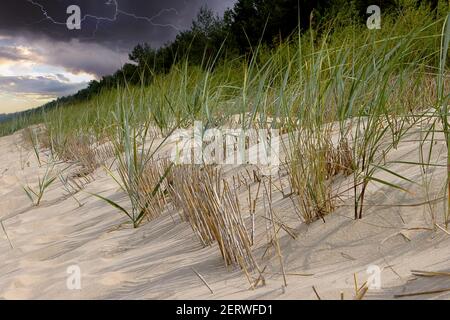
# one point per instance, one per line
(154, 171)
(73, 185)
(379, 124)
(78, 148)
(206, 200)
(30, 139)
(139, 175)
(36, 194)
(88, 155)
(312, 164)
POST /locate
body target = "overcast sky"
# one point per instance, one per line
(40, 58)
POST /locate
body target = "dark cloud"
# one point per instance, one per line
(106, 35)
(135, 20)
(48, 86)
(77, 56)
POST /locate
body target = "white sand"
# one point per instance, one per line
(155, 261)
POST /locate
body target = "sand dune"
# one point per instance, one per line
(157, 260)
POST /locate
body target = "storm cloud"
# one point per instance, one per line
(109, 29)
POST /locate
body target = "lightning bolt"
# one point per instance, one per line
(117, 12)
(44, 12)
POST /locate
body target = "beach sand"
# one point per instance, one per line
(158, 259)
